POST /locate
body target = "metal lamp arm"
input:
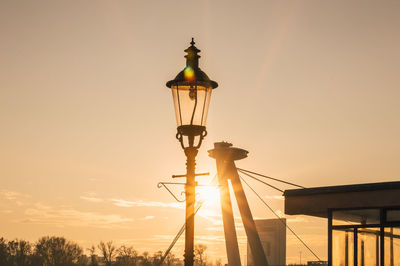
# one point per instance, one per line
(162, 184)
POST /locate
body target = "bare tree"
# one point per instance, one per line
(170, 259)
(127, 256)
(57, 251)
(199, 253)
(93, 257)
(4, 255)
(218, 262)
(157, 257)
(146, 260)
(19, 251)
(108, 251)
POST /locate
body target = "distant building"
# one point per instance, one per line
(272, 233)
(317, 263)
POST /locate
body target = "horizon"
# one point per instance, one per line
(310, 89)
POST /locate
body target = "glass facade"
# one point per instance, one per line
(393, 216)
(392, 246)
(343, 247)
(368, 246)
(364, 237)
(362, 216)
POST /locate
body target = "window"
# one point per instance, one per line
(393, 215)
(361, 238)
(343, 247)
(368, 246)
(392, 246)
(361, 217)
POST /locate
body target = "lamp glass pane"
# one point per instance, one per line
(191, 104)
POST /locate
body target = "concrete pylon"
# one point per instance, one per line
(225, 156)
(231, 244)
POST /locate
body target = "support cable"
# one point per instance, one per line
(183, 226)
(280, 219)
(178, 235)
(246, 172)
(265, 183)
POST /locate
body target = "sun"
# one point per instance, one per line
(208, 194)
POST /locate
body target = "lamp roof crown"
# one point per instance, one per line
(197, 76)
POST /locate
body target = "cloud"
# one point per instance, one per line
(279, 213)
(141, 203)
(14, 196)
(91, 199)
(297, 219)
(149, 217)
(214, 228)
(43, 214)
(275, 197)
(221, 228)
(210, 239)
(10, 195)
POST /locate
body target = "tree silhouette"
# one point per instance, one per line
(19, 252)
(127, 256)
(199, 254)
(57, 251)
(170, 259)
(218, 262)
(157, 257)
(146, 260)
(108, 251)
(3, 252)
(93, 257)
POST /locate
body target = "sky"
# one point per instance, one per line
(87, 126)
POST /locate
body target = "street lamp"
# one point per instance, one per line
(191, 92)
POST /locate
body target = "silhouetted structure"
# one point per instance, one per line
(225, 156)
(317, 263)
(191, 91)
(363, 220)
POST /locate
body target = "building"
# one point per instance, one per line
(363, 221)
(272, 234)
(317, 263)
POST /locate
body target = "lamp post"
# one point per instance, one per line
(191, 92)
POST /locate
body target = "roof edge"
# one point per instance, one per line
(343, 188)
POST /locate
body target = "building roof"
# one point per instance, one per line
(343, 188)
(316, 201)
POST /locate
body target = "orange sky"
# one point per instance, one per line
(310, 88)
